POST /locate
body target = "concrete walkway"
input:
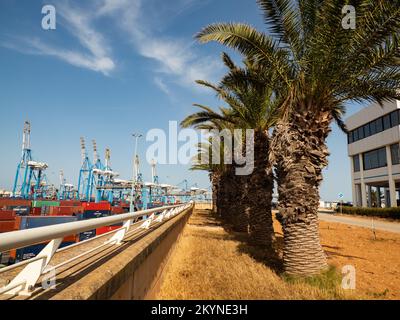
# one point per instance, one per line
(361, 222)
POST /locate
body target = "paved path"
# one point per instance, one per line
(361, 222)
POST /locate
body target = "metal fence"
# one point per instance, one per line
(24, 283)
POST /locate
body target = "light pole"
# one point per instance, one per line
(136, 136)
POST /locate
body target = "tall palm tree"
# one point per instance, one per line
(221, 174)
(215, 172)
(320, 66)
(251, 107)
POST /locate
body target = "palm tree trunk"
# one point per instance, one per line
(241, 218)
(300, 154)
(223, 195)
(259, 195)
(214, 177)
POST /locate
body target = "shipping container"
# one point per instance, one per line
(70, 203)
(117, 210)
(7, 226)
(93, 206)
(21, 210)
(44, 203)
(87, 235)
(33, 251)
(9, 202)
(36, 211)
(22, 223)
(103, 230)
(36, 222)
(65, 211)
(93, 214)
(7, 215)
(30, 222)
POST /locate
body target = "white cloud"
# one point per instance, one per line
(161, 84)
(96, 54)
(176, 61)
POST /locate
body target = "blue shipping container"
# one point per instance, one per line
(30, 222)
(36, 222)
(33, 251)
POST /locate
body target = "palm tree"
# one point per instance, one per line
(224, 183)
(215, 172)
(251, 107)
(319, 66)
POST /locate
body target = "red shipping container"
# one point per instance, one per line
(103, 230)
(7, 215)
(65, 211)
(36, 211)
(93, 206)
(8, 202)
(70, 203)
(7, 226)
(117, 210)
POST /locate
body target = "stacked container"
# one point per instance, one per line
(22, 223)
(94, 210)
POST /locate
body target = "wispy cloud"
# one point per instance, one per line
(95, 54)
(161, 84)
(174, 57)
(176, 60)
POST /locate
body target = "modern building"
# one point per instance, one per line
(373, 148)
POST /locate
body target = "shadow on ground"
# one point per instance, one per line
(273, 260)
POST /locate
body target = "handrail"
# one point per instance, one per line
(24, 283)
(23, 238)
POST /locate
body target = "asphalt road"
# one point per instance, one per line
(361, 222)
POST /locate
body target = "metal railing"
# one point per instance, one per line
(24, 283)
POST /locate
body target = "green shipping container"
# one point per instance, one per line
(40, 204)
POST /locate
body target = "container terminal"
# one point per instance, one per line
(34, 202)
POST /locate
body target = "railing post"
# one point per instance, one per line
(147, 223)
(120, 234)
(161, 217)
(23, 284)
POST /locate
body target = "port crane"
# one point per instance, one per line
(66, 190)
(30, 178)
(84, 174)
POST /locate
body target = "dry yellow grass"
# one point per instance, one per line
(376, 261)
(210, 263)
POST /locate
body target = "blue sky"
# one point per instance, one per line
(113, 67)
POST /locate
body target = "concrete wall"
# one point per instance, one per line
(135, 272)
(145, 280)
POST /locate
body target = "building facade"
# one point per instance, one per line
(373, 148)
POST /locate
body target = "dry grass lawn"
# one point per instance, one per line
(210, 263)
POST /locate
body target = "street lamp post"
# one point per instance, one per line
(132, 206)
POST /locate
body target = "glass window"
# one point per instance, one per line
(379, 125)
(350, 137)
(382, 160)
(355, 135)
(360, 132)
(356, 163)
(372, 126)
(375, 159)
(394, 117)
(367, 131)
(394, 150)
(386, 122)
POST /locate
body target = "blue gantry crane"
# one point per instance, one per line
(84, 174)
(30, 178)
